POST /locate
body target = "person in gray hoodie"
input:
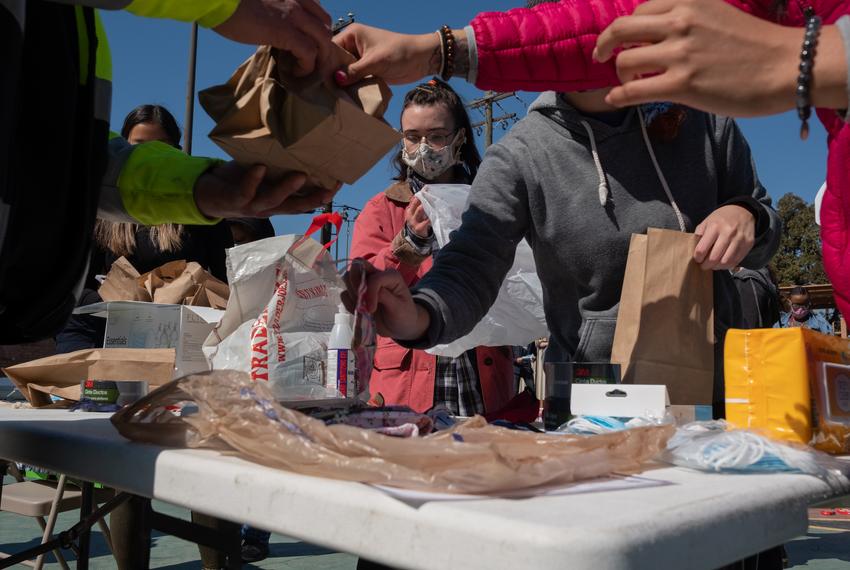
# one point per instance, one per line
(576, 184)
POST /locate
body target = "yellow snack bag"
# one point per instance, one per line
(792, 384)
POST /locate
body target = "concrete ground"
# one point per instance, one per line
(825, 547)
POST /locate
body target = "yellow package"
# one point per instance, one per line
(792, 384)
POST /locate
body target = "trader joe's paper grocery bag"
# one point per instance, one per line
(61, 374)
(264, 115)
(665, 325)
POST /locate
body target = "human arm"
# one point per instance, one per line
(374, 241)
(154, 183)
(533, 49)
(467, 273)
(745, 229)
(708, 55)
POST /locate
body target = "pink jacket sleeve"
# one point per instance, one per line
(550, 46)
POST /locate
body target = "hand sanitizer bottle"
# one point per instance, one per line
(340, 356)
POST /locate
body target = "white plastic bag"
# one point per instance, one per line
(516, 318)
(284, 295)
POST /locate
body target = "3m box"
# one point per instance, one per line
(133, 324)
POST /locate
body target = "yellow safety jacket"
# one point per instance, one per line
(150, 183)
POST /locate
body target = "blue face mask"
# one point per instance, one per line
(651, 111)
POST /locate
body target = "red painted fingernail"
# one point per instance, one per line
(340, 77)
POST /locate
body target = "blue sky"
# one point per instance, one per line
(150, 64)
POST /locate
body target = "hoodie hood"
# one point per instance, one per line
(595, 132)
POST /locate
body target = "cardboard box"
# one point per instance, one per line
(133, 324)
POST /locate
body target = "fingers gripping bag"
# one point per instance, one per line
(284, 294)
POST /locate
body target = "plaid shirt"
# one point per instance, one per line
(456, 384)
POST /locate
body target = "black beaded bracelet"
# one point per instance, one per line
(807, 65)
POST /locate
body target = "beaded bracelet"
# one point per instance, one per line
(807, 64)
(447, 47)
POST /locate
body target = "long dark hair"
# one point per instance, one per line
(120, 237)
(436, 92)
(156, 114)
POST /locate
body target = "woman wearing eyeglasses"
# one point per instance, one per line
(393, 232)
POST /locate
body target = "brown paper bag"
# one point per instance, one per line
(665, 324)
(265, 115)
(122, 283)
(61, 374)
(176, 283)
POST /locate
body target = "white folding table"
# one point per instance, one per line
(698, 520)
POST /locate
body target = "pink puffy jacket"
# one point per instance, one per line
(403, 375)
(550, 47)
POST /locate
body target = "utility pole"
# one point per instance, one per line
(486, 103)
(190, 90)
(327, 229)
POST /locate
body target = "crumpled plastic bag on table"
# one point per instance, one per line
(236, 414)
(516, 318)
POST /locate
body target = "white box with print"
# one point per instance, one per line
(133, 324)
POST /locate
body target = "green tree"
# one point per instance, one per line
(798, 261)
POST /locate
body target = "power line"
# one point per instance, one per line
(485, 106)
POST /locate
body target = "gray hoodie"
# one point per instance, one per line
(545, 181)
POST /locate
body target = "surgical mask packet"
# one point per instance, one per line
(716, 446)
(592, 425)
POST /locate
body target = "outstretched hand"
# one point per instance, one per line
(232, 191)
(388, 299)
(300, 27)
(395, 58)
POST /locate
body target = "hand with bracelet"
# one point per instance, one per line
(712, 56)
(401, 58)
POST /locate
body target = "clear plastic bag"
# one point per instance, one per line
(516, 317)
(472, 457)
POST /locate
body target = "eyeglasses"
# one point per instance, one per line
(800, 306)
(435, 139)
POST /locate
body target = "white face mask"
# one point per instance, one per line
(430, 163)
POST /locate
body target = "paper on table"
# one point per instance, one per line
(603, 484)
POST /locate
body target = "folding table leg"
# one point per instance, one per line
(86, 508)
(4, 468)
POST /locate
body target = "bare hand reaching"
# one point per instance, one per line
(388, 299)
(233, 191)
(301, 27)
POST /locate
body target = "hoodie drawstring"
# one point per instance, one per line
(661, 177)
(604, 191)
